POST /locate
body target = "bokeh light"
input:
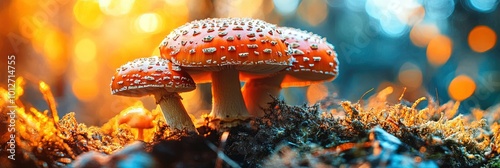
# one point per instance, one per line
(355, 5)
(116, 7)
(439, 10)
(286, 7)
(483, 5)
(148, 23)
(87, 13)
(85, 71)
(240, 8)
(421, 34)
(313, 11)
(394, 15)
(75, 46)
(316, 92)
(410, 76)
(85, 50)
(85, 90)
(482, 38)
(461, 87)
(174, 18)
(439, 50)
(54, 45)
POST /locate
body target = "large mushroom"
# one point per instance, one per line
(315, 60)
(156, 76)
(218, 49)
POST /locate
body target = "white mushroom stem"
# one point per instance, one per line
(228, 104)
(175, 114)
(257, 93)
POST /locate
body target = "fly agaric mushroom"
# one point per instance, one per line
(156, 76)
(218, 49)
(137, 118)
(315, 60)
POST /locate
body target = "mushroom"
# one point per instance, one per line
(315, 60)
(137, 118)
(217, 50)
(156, 76)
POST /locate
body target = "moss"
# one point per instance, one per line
(453, 142)
(341, 135)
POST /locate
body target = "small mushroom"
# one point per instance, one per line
(314, 60)
(158, 77)
(138, 118)
(218, 49)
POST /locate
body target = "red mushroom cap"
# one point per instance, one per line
(145, 76)
(244, 44)
(314, 58)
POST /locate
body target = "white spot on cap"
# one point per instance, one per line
(149, 78)
(231, 48)
(329, 52)
(295, 45)
(174, 52)
(209, 50)
(192, 51)
(245, 54)
(208, 38)
(317, 59)
(297, 52)
(314, 46)
(195, 32)
(237, 28)
(251, 46)
(222, 33)
(267, 50)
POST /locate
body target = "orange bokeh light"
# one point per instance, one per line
(461, 88)
(439, 50)
(313, 12)
(422, 34)
(316, 92)
(482, 38)
(85, 50)
(116, 7)
(85, 90)
(410, 76)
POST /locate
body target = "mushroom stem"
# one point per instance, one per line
(257, 93)
(228, 104)
(175, 114)
(140, 134)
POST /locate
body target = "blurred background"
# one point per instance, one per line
(446, 49)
